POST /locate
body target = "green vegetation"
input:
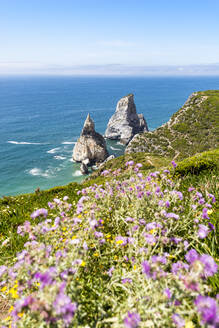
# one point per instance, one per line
(193, 129)
(118, 250)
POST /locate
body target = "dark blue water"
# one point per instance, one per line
(41, 118)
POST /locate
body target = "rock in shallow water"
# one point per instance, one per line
(125, 123)
(84, 168)
(91, 146)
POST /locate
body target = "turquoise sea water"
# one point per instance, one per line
(42, 117)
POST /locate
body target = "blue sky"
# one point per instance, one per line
(68, 36)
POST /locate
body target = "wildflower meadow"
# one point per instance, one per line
(131, 253)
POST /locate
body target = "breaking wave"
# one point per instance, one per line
(77, 173)
(24, 143)
(38, 172)
(68, 142)
(53, 151)
(60, 157)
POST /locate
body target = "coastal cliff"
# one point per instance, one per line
(194, 128)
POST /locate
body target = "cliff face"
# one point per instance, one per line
(91, 146)
(125, 123)
(194, 128)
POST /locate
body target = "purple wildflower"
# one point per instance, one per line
(207, 307)
(64, 307)
(150, 239)
(174, 164)
(158, 259)
(51, 205)
(199, 195)
(167, 204)
(211, 226)
(147, 270)
(110, 271)
(167, 293)
(179, 321)
(203, 231)
(205, 213)
(201, 201)
(191, 189)
(3, 269)
(176, 240)
(210, 267)
(129, 163)
(151, 226)
(172, 215)
(98, 234)
(142, 222)
(180, 195)
(132, 320)
(129, 219)
(125, 280)
(191, 256)
(212, 197)
(40, 211)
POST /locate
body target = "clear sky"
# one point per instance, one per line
(68, 35)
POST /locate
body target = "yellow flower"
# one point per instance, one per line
(108, 236)
(120, 242)
(11, 309)
(8, 318)
(74, 237)
(209, 212)
(83, 263)
(134, 267)
(20, 315)
(4, 289)
(152, 231)
(96, 254)
(189, 324)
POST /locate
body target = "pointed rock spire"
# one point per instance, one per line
(89, 127)
(91, 146)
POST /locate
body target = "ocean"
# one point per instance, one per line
(42, 117)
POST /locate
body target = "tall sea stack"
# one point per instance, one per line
(125, 123)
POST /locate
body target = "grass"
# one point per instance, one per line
(103, 299)
(15, 210)
(194, 128)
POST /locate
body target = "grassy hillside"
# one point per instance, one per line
(109, 254)
(194, 128)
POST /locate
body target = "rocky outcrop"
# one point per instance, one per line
(90, 148)
(125, 123)
(84, 169)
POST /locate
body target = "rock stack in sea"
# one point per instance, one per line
(125, 123)
(90, 148)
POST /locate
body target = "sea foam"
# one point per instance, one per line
(77, 173)
(53, 151)
(38, 172)
(68, 142)
(59, 157)
(24, 143)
